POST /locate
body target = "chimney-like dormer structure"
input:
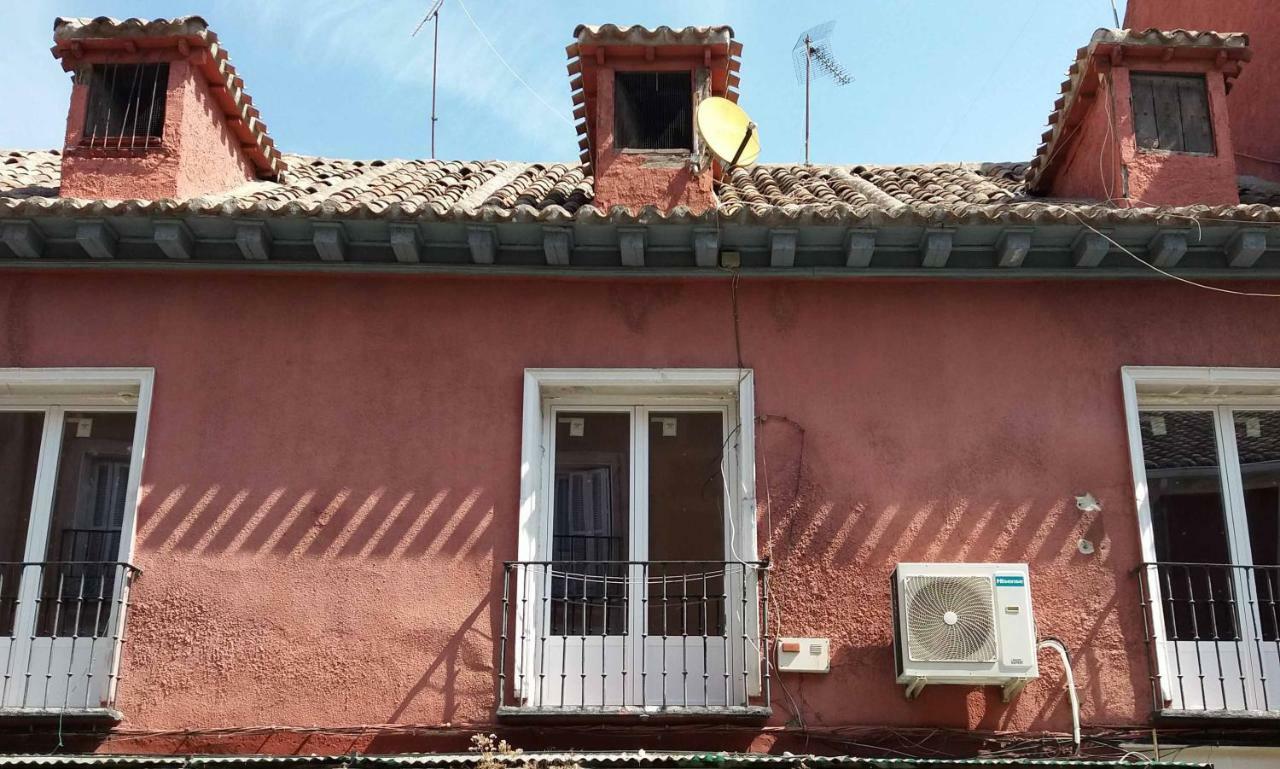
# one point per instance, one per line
(1142, 121)
(157, 111)
(635, 91)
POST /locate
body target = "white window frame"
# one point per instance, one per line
(1189, 388)
(54, 392)
(542, 387)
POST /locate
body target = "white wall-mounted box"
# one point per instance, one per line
(804, 655)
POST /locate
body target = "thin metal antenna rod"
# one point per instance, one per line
(433, 13)
(435, 66)
(808, 55)
(1115, 13)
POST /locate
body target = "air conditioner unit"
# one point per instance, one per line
(964, 623)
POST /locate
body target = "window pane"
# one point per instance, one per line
(19, 453)
(1258, 444)
(81, 575)
(1180, 451)
(590, 538)
(686, 523)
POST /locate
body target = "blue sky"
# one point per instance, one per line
(936, 80)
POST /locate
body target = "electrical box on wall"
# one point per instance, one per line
(804, 655)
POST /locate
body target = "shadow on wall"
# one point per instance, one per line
(343, 524)
(842, 549)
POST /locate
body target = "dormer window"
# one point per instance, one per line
(126, 106)
(1171, 113)
(653, 110)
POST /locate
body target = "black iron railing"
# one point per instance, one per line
(61, 631)
(634, 637)
(1213, 636)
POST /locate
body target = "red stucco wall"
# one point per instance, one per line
(199, 154)
(1090, 162)
(332, 472)
(1252, 98)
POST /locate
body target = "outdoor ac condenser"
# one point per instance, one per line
(964, 623)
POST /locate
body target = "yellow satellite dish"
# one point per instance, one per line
(728, 132)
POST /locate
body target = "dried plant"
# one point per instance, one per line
(500, 754)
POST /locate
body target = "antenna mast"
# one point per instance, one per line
(432, 14)
(813, 52)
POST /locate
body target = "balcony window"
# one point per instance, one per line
(1209, 494)
(638, 590)
(69, 471)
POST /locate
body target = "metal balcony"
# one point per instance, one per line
(644, 638)
(1213, 633)
(61, 629)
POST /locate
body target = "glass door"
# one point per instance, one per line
(63, 487)
(1253, 443)
(637, 606)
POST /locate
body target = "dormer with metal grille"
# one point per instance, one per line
(157, 111)
(635, 91)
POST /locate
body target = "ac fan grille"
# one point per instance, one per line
(970, 637)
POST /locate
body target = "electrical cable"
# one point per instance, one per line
(510, 68)
(1053, 643)
(1166, 273)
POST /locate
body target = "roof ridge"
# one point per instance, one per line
(872, 192)
(477, 197)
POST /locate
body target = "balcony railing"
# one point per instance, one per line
(61, 626)
(634, 637)
(1213, 632)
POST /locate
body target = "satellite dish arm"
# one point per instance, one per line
(746, 137)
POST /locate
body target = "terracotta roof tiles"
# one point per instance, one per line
(494, 190)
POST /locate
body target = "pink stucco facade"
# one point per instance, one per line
(331, 482)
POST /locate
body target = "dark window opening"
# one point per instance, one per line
(1171, 112)
(126, 105)
(653, 110)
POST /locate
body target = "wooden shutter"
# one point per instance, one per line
(1171, 112)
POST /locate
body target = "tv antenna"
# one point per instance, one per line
(814, 59)
(432, 14)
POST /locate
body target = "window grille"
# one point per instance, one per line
(126, 105)
(1171, 112)
(653, 110)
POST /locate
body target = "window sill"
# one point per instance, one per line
(101, 151)
(1175, 153)
(1217, 717)
(67, 715)
(649, 715)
